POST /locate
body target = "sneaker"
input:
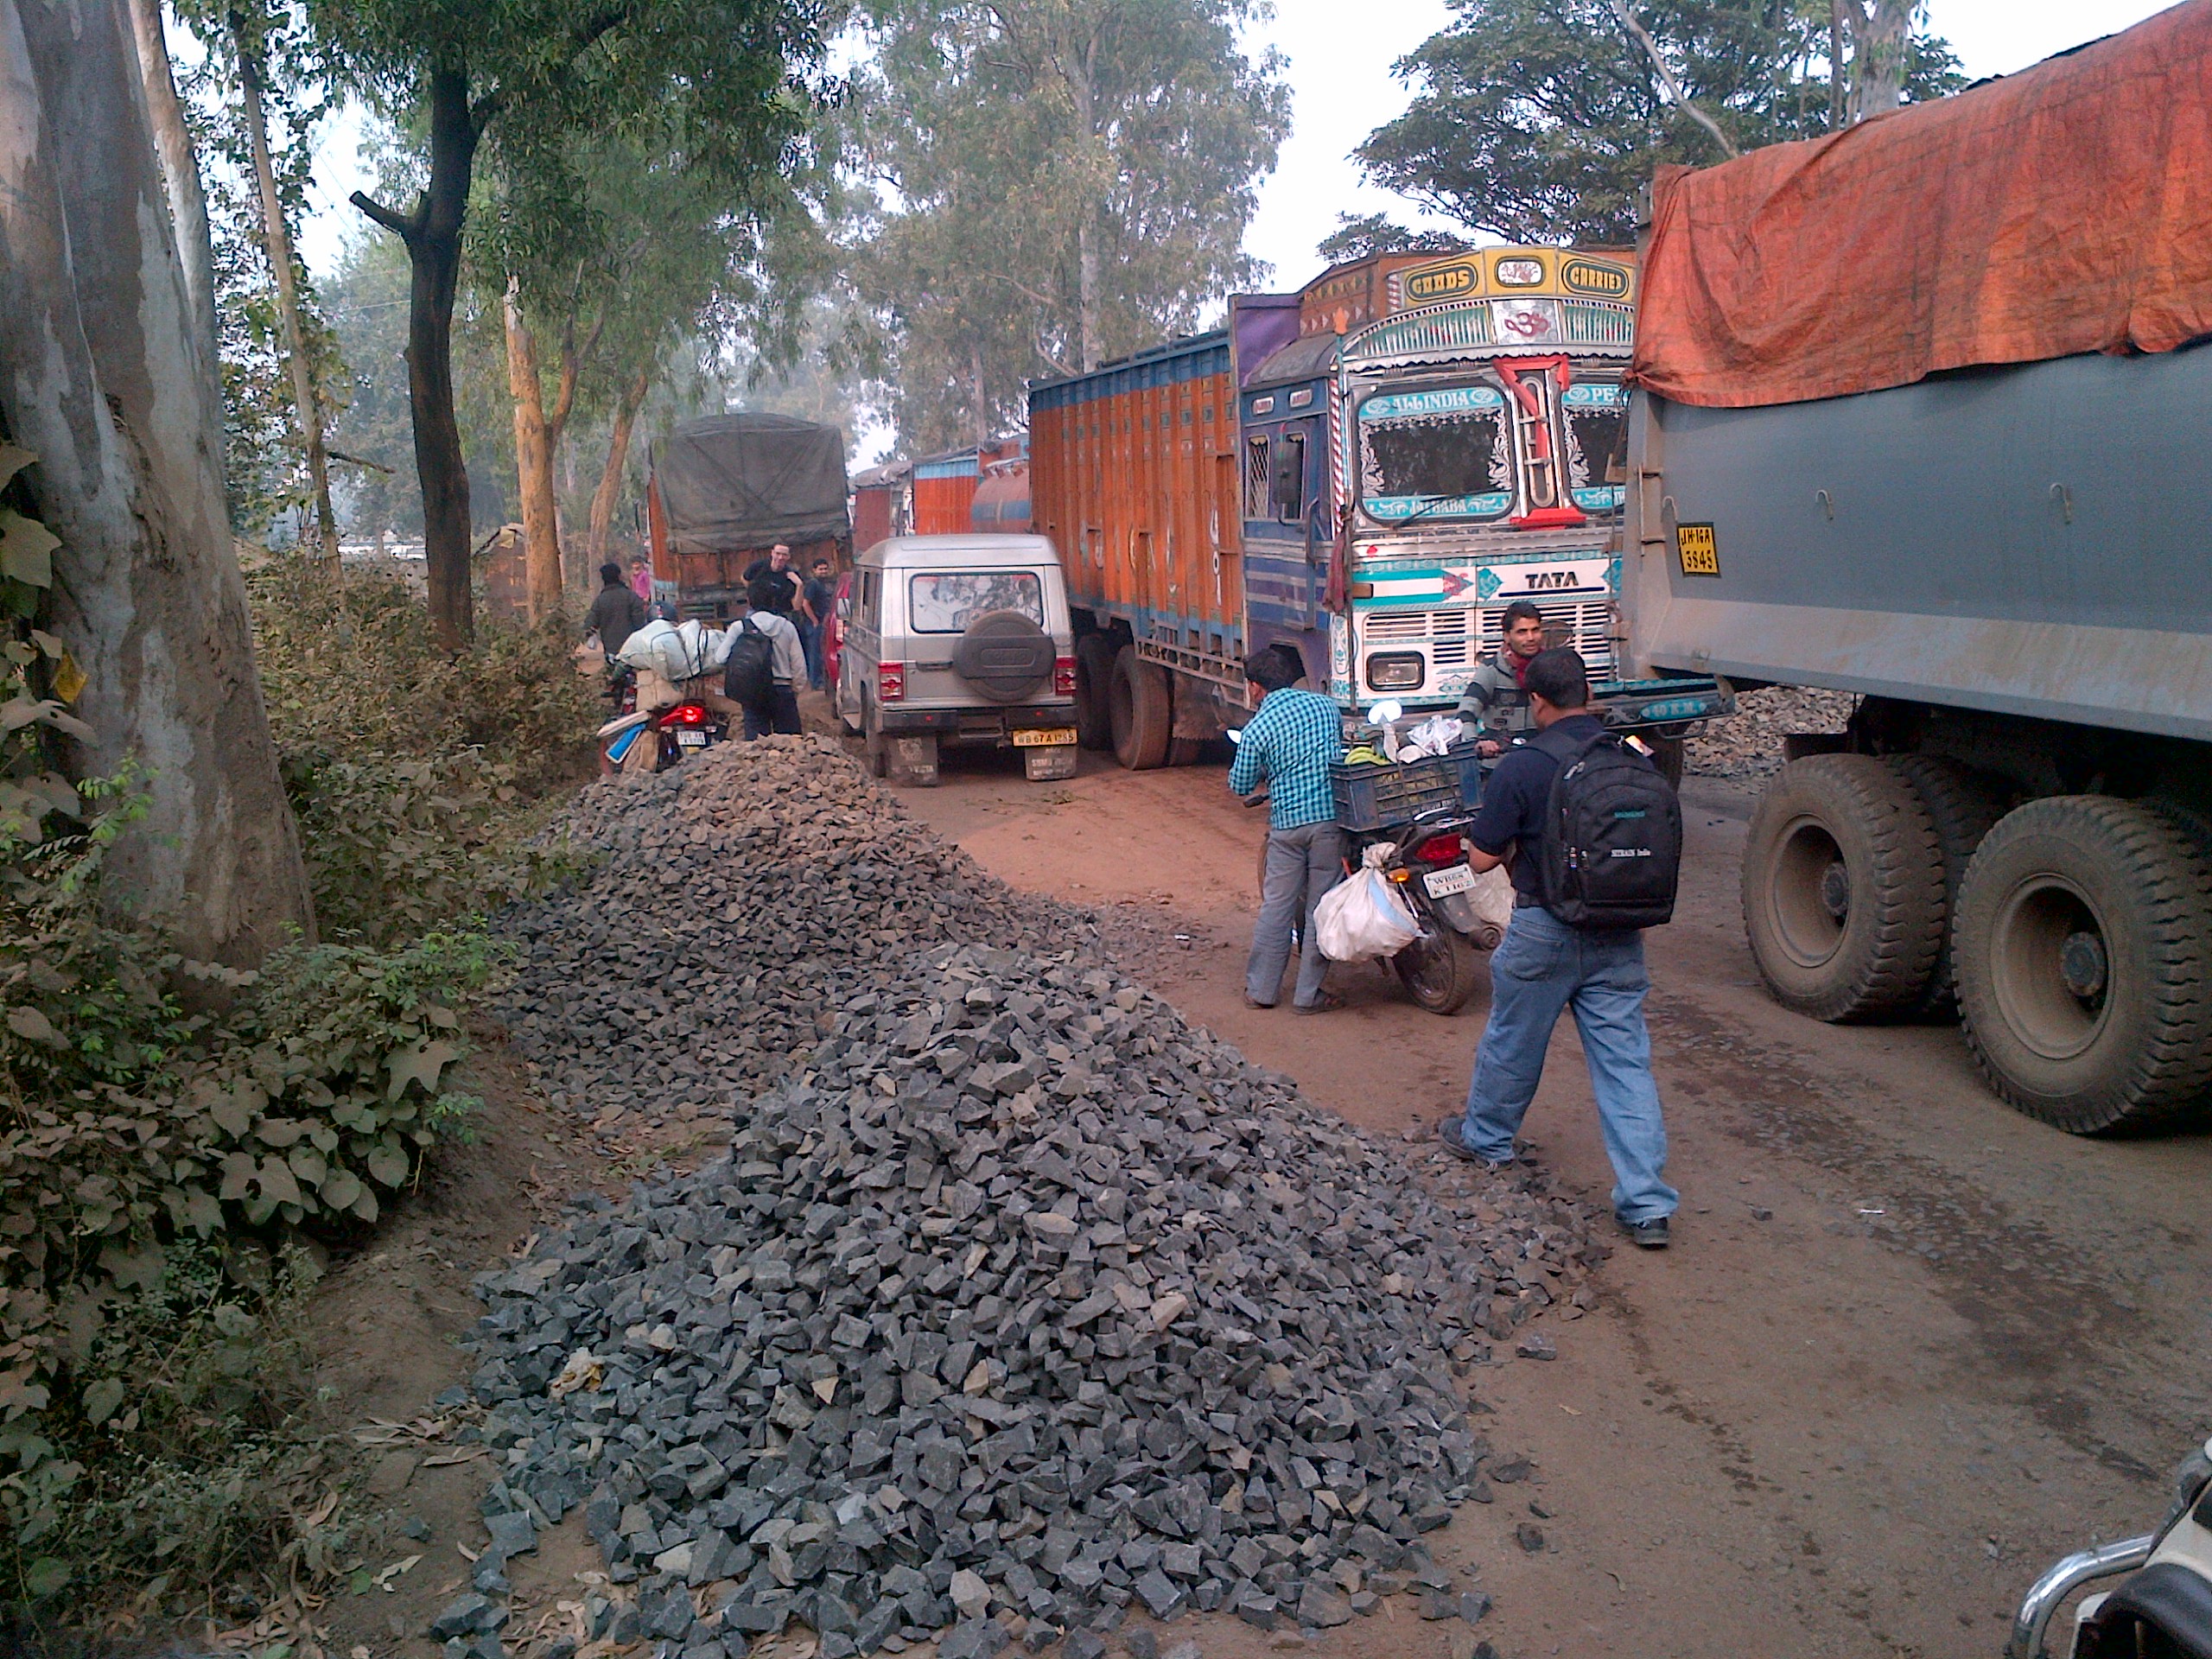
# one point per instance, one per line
(1455, 1143)
(1645, 1235)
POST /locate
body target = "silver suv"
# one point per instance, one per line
(959, 640)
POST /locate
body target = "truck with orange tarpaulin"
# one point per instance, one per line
(1368, 472)
(1924, 414)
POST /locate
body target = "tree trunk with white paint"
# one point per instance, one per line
(100, 377)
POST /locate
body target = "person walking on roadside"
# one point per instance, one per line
(616, 611)
(1544, 967)
(1292, 741)
(641, 578)
(814, 601)
(1497, 692)
(777, 711)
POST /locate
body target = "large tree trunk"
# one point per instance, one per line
(610, 477)
(1082, 88)
(277, 236)
(1880, 42)
(180, 174)
(541, 531)
(432, 234)
(98, 376)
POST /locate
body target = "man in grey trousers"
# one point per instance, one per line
(1292, 742)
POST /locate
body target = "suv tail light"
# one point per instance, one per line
(1063, 676)
(891, 681)
(684, 713)
(1441, 849)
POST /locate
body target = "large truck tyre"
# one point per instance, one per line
(2083, 943)
(1140, 703)
(1094, 670)
(1964, 806)
(1843, 889)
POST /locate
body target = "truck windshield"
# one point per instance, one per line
(1438, 453)
(946, 601)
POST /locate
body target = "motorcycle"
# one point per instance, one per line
(671, 733)
(1426, 861)
(2164, 1606)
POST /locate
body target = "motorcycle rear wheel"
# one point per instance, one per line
(1439, 970)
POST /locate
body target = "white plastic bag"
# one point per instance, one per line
(713, 648)
(1433, 736)
(1492, 898)
(1363, 919)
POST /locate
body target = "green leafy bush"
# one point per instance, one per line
(396, 847)
(350, 670)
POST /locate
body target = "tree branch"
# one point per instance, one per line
(402, 225)
(1666, 79)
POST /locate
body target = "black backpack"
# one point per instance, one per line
(750, 676)
(1611, 846)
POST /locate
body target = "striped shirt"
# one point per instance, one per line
(1294, 740)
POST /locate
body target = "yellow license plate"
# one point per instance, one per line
(1699, 550)
(1043, 735)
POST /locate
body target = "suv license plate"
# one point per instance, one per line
(690, 740)
(1043, 735)
(1443, 883)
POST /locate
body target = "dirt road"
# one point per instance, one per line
(1908, 1345)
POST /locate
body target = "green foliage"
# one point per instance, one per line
(1539, 120)
(1359, 235)
(394, 848)
(1018, 135)
(352, 673)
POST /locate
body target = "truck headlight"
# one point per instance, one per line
(1397, 670)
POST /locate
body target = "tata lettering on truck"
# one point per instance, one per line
(1924, 414)
(1369, 472)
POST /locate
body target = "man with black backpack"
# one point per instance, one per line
(1593, 836)
(765, 666)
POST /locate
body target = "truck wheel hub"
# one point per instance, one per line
(2082, 964)
(1835, 890)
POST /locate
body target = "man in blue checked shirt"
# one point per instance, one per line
(1292, 742)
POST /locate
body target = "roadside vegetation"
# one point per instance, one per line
(182, 1145)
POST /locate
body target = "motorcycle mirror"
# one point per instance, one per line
(1236, 735)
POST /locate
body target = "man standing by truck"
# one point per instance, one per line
(1496, 696)
(1544, 967)
(1292, 742)
(616, 613)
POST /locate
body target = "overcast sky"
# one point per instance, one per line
(1340, 59)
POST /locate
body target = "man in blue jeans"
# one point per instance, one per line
(1544, 967)
(1294, 740)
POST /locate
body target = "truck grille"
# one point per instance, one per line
(1586, 625)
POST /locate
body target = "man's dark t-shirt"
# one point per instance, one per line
(616, 614)
(1514, 798)
(820, 591)
(787, 580)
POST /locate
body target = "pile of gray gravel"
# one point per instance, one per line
(1017, 1302)
(736, 896)
(1748, 744)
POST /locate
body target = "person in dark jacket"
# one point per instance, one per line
(616, 613)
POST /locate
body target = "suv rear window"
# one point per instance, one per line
(946, 601)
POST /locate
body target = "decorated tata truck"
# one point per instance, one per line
(1368, 473)
(1924, 414)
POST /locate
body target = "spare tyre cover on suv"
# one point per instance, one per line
(1005, 655)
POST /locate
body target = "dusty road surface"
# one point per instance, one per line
(1907, 1346)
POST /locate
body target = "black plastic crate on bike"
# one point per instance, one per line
(1371, 797)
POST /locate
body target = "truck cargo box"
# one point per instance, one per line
(725, 489)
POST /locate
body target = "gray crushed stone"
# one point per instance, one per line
(1747, 745)
(1017, 1301)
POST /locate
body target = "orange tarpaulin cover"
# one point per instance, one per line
(2065, 209)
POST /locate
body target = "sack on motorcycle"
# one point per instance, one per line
(1361, 919)
(1611, 854)
(749, 677)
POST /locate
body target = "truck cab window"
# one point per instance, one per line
(1288, 489)
(1256, 478)
(1442, 453)
(1597, 443)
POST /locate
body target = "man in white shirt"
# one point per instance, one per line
(780, 713)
